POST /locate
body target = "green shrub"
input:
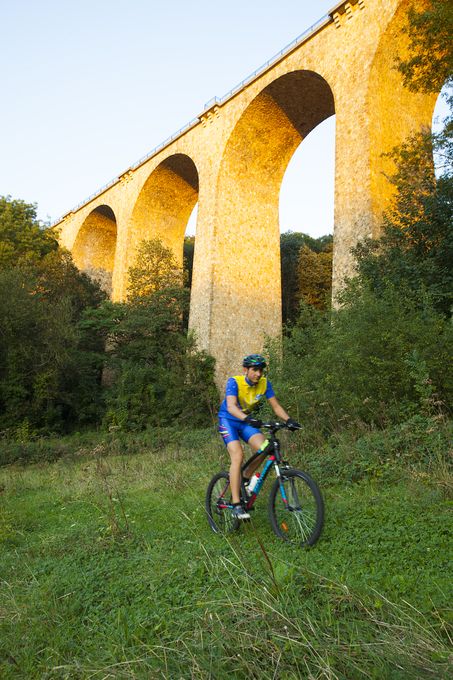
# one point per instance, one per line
(157, 376)
(419, 444)
(376, 361)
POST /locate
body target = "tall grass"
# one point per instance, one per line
(108, 569)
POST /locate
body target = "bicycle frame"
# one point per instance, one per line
(274, 460)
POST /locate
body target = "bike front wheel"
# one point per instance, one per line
(218, 504)
(296, 508)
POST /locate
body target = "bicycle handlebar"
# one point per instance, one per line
(275, 426)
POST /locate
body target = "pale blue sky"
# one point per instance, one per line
(91, 86)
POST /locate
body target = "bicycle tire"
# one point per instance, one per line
(218, 493)
(300, 521)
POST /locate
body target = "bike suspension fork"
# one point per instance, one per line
(280, 481)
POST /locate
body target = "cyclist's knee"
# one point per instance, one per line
(259, 444)
(265, 447)
(236, 452)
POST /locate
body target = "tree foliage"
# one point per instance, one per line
(156, 374)
(69, 357)
(294, 285)
(430, 62)
(21, 236)
(370, 363)
(314, 272)
(189, 251)
(48, 381)
(155, 268)
(415, 251)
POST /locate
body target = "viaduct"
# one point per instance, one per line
(232, 158)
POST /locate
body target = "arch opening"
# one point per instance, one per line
(95, 246)
(306, 211)
(307, 190)
(165, 205)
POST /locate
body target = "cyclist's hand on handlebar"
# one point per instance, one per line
(293, 424)
(254, 422)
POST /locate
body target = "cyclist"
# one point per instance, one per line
(237, 420)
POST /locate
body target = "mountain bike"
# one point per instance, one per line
(295, 506)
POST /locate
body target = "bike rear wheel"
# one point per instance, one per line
(218, 504)
(296, 512)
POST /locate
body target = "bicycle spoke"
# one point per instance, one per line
(218, 504)
(296, 510)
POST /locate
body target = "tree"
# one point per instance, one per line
(22, 237)
(314, 277)
(48, 379)
(430, 63)
(291, 244)
(159, 377)
(57, 277)
(155, 268)
(189, 249)
(366, 362)
(415, 251)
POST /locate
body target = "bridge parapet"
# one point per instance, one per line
(345, 11)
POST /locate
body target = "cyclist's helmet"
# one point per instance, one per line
(254, 361)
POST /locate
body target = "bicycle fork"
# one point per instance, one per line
(282, 487)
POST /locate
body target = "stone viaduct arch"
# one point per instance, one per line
(95, 244)
(232, 158)
(164, 205)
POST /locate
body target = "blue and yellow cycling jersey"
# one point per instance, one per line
(249, 396)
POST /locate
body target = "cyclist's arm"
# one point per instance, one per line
(278, 409)
(233, 407)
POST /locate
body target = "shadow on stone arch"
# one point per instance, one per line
(164, 205)
(95, 245)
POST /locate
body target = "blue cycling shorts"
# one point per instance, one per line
(234, 430)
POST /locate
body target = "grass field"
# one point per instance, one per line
(108, 569)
